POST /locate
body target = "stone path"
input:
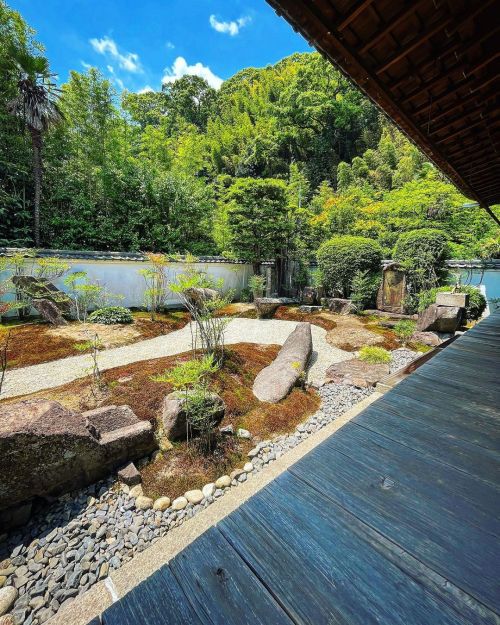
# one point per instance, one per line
(266, 332)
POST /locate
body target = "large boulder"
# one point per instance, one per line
(440, 319)
(173, 416)
(339, 305)
(40, 288)
(267, 306)
(52, 450)
(309, 296)
(274, 382)
(49, 311)
(356, 373)
(198, 296)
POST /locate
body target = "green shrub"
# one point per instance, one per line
(364, 289)
(423, 254)
(257, 285)
(404, 330)
(341, 257)
(473, 310)
(374, 355)
(111, 315)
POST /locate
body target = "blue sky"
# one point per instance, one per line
(140, 43)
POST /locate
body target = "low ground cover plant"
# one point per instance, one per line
(374, 355)
(404, 330)
(111, 315)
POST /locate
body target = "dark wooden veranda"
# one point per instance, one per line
(395, 519)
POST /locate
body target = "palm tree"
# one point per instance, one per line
(36, 104)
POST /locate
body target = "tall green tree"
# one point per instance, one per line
(257, 219)
(36, 104)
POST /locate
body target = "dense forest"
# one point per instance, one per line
(274, 163)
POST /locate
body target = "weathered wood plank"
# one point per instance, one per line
(424, 388)
(456, 422)
(460, 454)
(408, 503)
(221, 588)
(305, 549)
(158, 600)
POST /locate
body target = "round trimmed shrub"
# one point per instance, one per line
(341, 257)
(111, 315)
(423, 253)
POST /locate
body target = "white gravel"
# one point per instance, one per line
(265, 332)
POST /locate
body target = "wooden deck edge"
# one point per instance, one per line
(389, 381)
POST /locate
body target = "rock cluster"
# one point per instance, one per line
(55, 450)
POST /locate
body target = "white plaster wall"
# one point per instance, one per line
(123, 277)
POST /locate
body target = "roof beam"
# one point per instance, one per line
(454, 91)
(353, 14)
(391, 24)
(415, 43)
(459, 103)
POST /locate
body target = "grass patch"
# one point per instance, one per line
(374, 355)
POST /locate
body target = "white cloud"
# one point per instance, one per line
(128, 61)
(169, 45)
(86, 65)
(180, 68)
(229, 28)
(146, 89)
(110, 69)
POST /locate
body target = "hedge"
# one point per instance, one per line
(341, 257)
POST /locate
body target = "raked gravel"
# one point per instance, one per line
(263, 331)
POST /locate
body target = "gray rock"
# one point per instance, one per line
(440, 319)
(274, 382)
(173, 415)
(7, 597)
(129, 475)
(266, 306)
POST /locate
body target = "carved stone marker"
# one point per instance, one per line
(392, 290)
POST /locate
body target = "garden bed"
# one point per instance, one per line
(183, 467)
(35, 342)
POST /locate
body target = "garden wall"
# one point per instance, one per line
(119, 272)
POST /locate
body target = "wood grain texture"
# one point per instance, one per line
(158, 600)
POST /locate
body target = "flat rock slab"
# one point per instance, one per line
(459, 300)
(274, 382)
(267, 306)
(356, 372)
